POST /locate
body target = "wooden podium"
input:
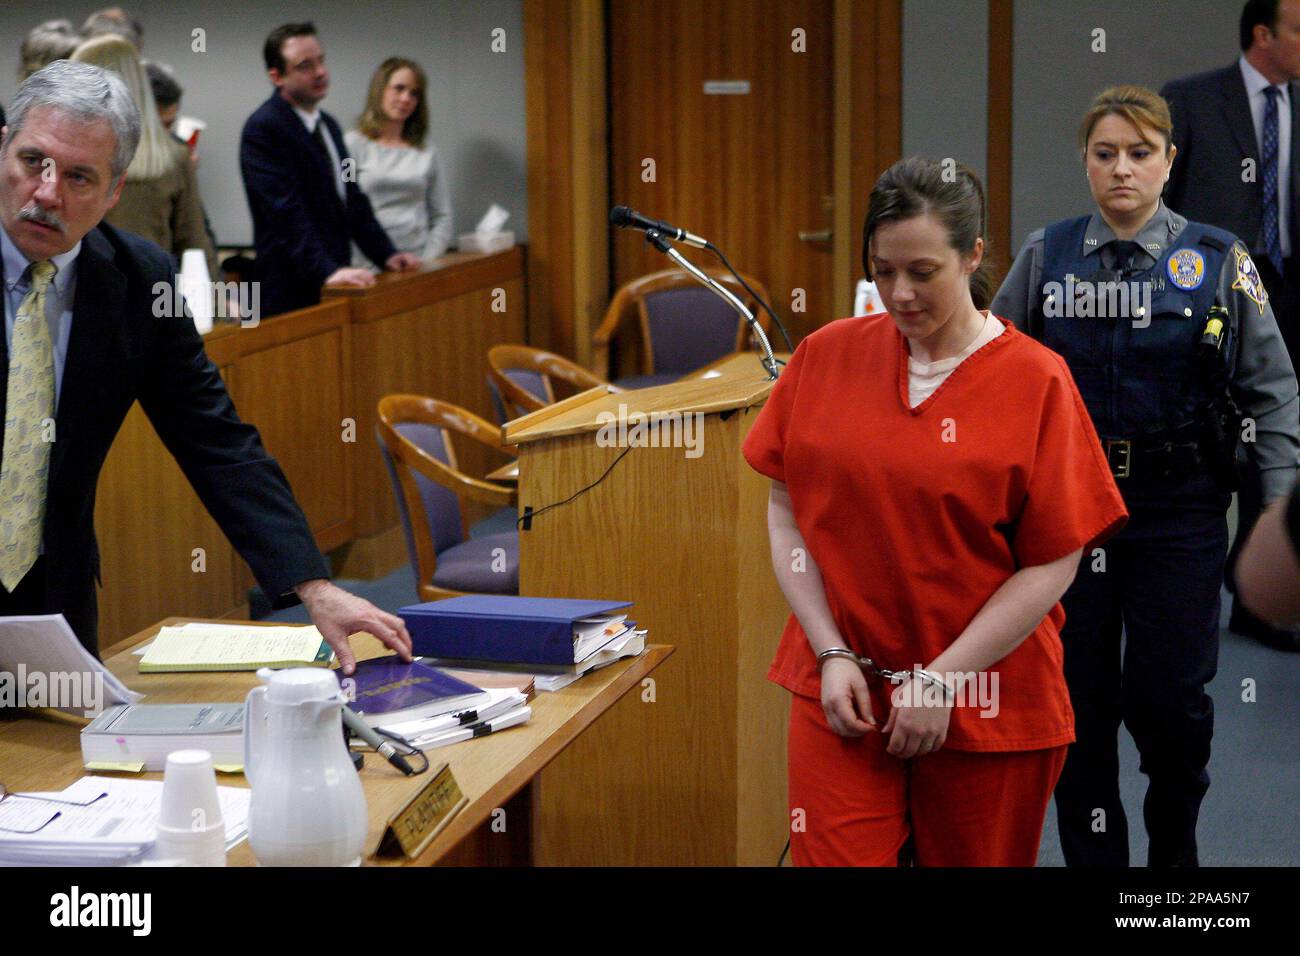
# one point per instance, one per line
(691, 767)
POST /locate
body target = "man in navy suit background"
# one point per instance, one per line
(1238, 168)
(83, 342)
(307, 209)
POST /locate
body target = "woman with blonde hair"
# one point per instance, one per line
(399, 172)
(1166, 327)
(160, 200)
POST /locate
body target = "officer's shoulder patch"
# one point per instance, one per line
(1186, 269)
(1248, 280)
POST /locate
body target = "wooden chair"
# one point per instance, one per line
(665, 325)
(415, 439)
(523, 378)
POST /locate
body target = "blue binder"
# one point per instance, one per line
(506, 629)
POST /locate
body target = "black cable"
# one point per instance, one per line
(781, 859)
(766, 308)
(405, 748)
(529, 514)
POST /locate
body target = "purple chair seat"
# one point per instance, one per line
(530, 381)
(468, 566)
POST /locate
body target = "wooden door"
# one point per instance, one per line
(747, 164)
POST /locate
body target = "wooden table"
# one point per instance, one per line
(41, 750)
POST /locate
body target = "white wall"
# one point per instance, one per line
(945, 93)
(476, 96)
(1056, 75)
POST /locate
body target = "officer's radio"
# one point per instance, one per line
(1216, 323)
(1219, 421)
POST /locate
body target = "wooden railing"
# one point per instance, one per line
(310, 381)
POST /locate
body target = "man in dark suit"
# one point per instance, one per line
(1238, 168)
(83, 336)
(307, 207)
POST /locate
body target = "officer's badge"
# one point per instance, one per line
(1187, 269)
(1248, 280)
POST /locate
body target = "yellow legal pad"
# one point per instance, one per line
(232, 647)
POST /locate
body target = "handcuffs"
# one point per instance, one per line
(895, 677)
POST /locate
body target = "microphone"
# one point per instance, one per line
(626, 218)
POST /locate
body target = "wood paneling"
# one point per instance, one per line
(869, 116)
(564, 66)
(685, 539)
(149, 521)
(747, 171)
(439, 350)
(297, 377)
(303, 427)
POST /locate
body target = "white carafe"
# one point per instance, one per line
(307, 808)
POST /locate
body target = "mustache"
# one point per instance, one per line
(34, 212)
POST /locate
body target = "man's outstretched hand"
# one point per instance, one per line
(339, 614)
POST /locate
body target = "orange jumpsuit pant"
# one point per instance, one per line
(854, 804)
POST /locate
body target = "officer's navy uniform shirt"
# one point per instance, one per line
(1263, 381)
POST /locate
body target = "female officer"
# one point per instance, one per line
(1125, 296)
(934, 479)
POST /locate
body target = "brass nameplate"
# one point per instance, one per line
(423, 816)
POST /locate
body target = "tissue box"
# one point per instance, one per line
(470, 242)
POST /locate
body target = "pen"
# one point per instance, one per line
(367, 733)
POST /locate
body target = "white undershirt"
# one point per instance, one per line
(923, 378)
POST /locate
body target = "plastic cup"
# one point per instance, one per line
(189, 797)
(190, 825)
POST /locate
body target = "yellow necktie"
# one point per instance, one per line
(29, 405)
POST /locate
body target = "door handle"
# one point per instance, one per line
(818, 235)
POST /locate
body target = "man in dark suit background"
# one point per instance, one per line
(1238, 168)
(307, 207)
(83, 342)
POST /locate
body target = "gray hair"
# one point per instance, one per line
(52, 40)
(89, 93)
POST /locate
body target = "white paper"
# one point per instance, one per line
(502, 699)
(196, 288)
(43, 643)
(491, 222)
(116, 828)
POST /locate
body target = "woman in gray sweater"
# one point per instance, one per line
(396, 168)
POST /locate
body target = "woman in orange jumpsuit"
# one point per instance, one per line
(935, 479)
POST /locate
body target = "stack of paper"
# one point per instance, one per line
(629, 643)
(505, 708)
(42, 664)
(115, 829)
(233, 647)
(135, 737)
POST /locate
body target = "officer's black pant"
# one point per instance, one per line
(1160, 588)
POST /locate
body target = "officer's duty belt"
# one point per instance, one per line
(1147, 458)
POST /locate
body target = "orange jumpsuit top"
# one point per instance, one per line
(915, 516)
